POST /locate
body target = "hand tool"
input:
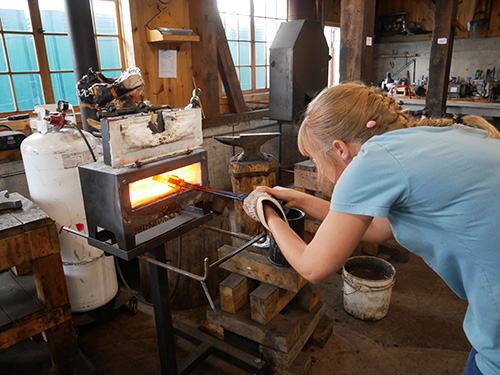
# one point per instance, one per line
(176, 182)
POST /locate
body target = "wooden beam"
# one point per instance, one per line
(202, 17)
(267, 301)
(440, 59)
(227, 70)
(357, 27)
(258, 267)
(234, 292)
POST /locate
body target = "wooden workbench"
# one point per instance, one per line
(28, 235)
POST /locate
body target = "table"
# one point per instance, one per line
(28, 235)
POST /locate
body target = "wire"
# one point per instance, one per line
(127, 286)
(7, 126)
(85, 139)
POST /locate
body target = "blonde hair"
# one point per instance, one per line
(342, 112)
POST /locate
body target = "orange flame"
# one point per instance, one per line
(148, 190)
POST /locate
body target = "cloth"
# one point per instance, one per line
(471, 367)
(440, 190)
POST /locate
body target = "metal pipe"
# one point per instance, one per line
(83, 47)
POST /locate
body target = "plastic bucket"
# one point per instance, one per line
(296, 220)
(368, 283)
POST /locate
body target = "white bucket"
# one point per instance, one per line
(368, 283)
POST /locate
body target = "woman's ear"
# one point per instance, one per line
(341, 148)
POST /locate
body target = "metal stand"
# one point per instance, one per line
(165, 331)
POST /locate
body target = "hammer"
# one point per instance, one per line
(251, 144)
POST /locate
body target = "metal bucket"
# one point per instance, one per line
(368, 283)
(296, 220)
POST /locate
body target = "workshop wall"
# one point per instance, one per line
(468, 56)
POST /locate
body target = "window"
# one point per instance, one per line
(250, 29)
(35, 57)
(332, 35)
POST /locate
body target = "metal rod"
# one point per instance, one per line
(238, 250)
(179, 270)
(207, 293)
(229, 233)
(74, 232)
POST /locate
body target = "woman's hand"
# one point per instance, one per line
(315, 207)
(288, 196)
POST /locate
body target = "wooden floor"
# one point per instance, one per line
(421, 335)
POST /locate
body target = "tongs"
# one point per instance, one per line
(177, 182)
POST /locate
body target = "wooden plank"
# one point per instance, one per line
(267, 301)
(14, 300)
(227, 70)
(234, 292)
(30, 325)
(212, 329)
(281, 333)
(440, 58)
(13, 251)
(202, 15)
(50, 281)
(308, 324)
(258, 267)
(307, 298)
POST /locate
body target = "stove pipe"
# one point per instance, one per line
(83, 47)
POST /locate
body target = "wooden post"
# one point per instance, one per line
(202, 14)
(357, 26)
(441, 52)
(227, 70)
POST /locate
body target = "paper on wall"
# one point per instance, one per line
(167, 63)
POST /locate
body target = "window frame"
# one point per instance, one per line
(253, 90)
(44, 72)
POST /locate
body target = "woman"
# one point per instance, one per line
(432, 185)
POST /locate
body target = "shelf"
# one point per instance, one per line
(154, 36)
(403, 38)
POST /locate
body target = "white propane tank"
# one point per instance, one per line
(51, 163)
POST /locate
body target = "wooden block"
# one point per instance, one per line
(267, 301)
(213, 330)
(258, 267)
(307, 324)
(301, 366)
(322, 332)
(306, 176)
(234, 292)
(281, 333)
(369, 248)
(307, 298)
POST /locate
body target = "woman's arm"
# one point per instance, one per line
(379, 231)
(333, 243)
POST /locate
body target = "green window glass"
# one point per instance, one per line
(28, 90)
(109, 52)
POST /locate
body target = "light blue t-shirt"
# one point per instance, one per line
(440, 190)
